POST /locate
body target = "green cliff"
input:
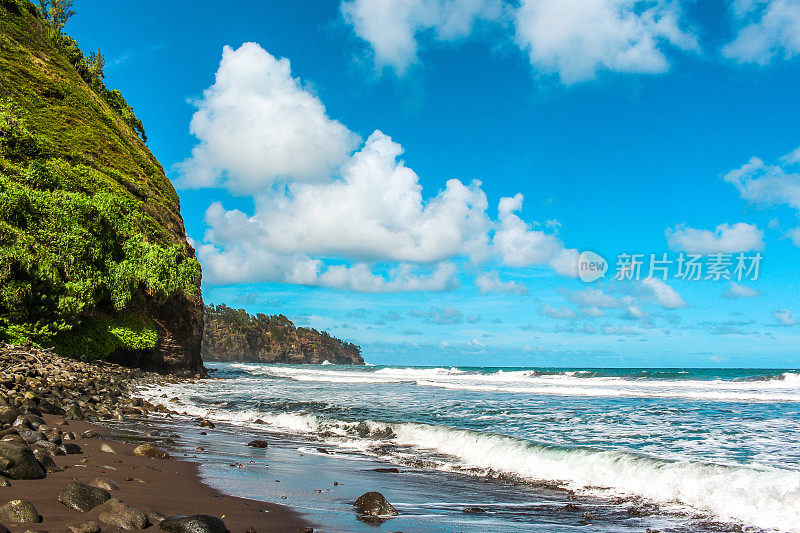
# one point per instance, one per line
(93, 253)
(235, 335)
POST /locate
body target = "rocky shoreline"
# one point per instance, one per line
(61, 472)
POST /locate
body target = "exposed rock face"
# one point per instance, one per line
(179, 323)
(234, 335)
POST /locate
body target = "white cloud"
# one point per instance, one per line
(376, 211)
(735, 290)
(783, 318)
(562, 312)
(771, 185)
(794, 235)
(257, 124)
(725, 238)
(246, 262)
(768, 185)
(634, 312)
(325, 217)
(577, 38)
(663, 294)
(608, 329)
(571, 38)
(442, 316)
(590, 297)
(519, 245)
(775, 32)
(392, 27)
(490, 282)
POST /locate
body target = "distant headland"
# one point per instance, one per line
(235, 335)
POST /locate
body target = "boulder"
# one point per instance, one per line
(45, 460)
(18, 462)
(49, 408)
(104, 483)
(70, 448)
(84, 527)
(374, 504)
(31, 436)
(73, 412)
(153, 516)
(107, 448)
(30, 421)
(258, 443)
(19, 511)
(82, 497)
(119, 514)
(148, 450)
(8, 414)
(199, 523)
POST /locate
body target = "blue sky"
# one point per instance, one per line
(315, 156)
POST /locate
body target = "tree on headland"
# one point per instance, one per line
(57, 13)
(95, 63)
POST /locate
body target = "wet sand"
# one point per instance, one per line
(169, 486)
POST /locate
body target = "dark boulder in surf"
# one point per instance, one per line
(374, 504)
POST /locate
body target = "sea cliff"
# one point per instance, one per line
(94, 259)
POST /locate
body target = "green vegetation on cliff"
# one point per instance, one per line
(91, 238)
(235, 335)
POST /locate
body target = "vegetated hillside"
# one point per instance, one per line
(93, 252)
(235, 335)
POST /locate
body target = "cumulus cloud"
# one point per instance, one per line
(392, 27)
(328, 216)
(783, 318)
(246, 262)
(520, 245)
(735, 290)
(769, 29)
(375, 212)
(490, 282)
(257, 124)
(576, 39)
(725, 238)
(771, 185)
(663, 294)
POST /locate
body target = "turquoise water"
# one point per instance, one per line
(709, 444)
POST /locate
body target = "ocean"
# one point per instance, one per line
(536, 449)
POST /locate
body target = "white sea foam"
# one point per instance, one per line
(783, 388)
(762, 497)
